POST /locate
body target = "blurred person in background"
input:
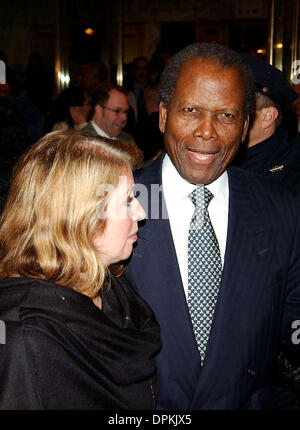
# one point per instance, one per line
(70, 110)
(109, 112)
(14, 139)
(91, 74)
(135, 83)
(38, 83)
(147, 135)
(34, 118)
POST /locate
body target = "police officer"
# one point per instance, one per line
(268, 149)
(272, 150)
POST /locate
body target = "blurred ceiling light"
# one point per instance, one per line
(279, 45)
(261, 51)
(89, 31)
(64, 78)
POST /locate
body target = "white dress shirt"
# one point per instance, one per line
(181, 209)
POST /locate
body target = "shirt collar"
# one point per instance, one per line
(178, 188)
(100, 131)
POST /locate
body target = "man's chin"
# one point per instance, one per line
(199, 176)
(117, 131)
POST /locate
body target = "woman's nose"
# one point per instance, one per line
(139, 213)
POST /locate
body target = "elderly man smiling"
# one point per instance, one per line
(222, 273)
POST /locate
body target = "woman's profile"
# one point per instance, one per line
(77, 334)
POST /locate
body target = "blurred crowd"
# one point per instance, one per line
(33, 101)
(92, 103)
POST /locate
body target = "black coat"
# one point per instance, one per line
(277, 157)
(63, 352)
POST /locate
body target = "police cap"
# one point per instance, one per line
(271, 82)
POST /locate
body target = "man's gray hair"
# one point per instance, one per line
(222, 55)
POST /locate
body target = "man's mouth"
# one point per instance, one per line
(201, 157)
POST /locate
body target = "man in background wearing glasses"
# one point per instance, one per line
(109, 112)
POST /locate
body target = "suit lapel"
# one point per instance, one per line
(247, 257)
(90, 129)
(163, 290)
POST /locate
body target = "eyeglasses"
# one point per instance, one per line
(117, 111)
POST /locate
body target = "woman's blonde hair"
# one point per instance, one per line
(52, 210)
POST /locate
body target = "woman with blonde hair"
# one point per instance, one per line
(77, 336)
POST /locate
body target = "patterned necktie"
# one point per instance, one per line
(204, 268)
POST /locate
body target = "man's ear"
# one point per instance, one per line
(163, 112)
(269, 116)
(245, 128)
(98, 110)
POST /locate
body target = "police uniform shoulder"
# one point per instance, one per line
(265, 186)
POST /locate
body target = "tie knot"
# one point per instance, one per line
(201, 197)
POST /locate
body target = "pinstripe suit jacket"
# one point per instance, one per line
(258, 301)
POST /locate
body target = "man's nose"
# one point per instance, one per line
(205, 126)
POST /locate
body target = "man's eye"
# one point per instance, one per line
(189, 110)
(227, 117)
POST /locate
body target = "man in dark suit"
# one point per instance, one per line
(247, 260)
(109, 112)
